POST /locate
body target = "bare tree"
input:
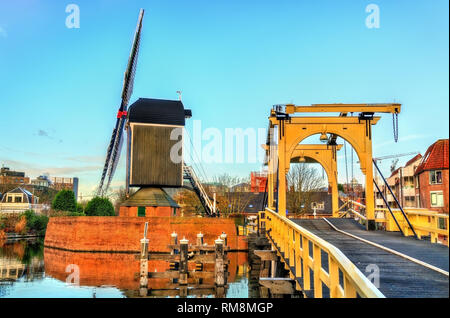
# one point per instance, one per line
(302, 180)
(232, 193)
(120, 196)
(189, 203)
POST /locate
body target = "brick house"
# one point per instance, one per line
(8, 176)
(19, 200)
(431, 177)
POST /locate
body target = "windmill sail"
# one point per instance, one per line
(115, 145)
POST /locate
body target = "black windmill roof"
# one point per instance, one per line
(158, 111)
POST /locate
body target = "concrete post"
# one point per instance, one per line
(183, 261)
(219, 272)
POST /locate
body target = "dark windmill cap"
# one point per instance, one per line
(158, 111)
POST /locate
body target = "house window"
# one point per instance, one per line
(141, 210)
(435, 177)
(441, 224)
(437, 199)
(318, 206)
(10, 198)
(18, 199)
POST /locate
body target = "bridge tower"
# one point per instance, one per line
(326, 156)
(287, 131)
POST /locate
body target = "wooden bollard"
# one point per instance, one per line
(174, 241)
(184, 244)
(220, 292)
(223, 236)
(183, 291)
(219, 272)
(143, 283)
(200, 239)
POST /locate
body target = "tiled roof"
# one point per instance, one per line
(394, 172)
(150, 197)
(414, 159)
(436, 157)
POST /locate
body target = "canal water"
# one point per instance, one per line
(27, 269)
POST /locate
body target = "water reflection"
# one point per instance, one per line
(28, 269)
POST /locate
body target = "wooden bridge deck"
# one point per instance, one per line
(399, 277)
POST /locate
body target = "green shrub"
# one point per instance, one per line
(80, 209)
(65, 201)
(75, 214)
(99, 207)
(36, 223)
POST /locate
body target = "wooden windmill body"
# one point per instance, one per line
(154, 156)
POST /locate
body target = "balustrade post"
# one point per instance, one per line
(333, 272)
(317, 257)
(349, 289)
(292, 243)
(298, 253)
(306, 273)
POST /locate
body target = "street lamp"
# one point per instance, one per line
(323, 137)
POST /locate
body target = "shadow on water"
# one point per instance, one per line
(27, 269)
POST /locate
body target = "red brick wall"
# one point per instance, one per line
(95, 233)
(426, 187)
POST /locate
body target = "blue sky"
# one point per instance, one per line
(60, 88)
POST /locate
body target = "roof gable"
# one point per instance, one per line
(149, 196)
(414, 159)
(436, 157)
(27, 194)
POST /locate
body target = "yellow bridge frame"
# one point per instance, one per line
(326, 156)
(293, 130)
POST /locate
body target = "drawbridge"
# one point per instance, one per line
(363, 250)
(338, 257)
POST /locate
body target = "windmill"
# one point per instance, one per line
(115, 145)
